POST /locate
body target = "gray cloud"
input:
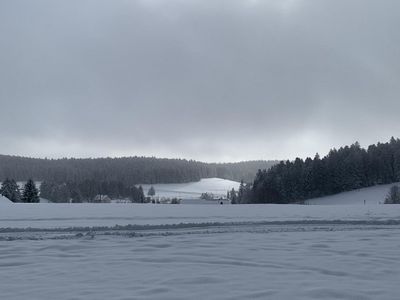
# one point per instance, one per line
(210, 80)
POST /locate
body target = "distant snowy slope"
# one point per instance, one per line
(193, 190)
(372, 195)
(4, 200)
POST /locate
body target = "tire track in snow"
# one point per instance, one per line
(132, 231)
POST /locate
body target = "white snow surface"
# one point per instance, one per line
(199, 252)
(51, 215)
(4, 200)
(372, 195)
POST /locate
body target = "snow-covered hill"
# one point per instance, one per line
(193, 190)
(372, 196)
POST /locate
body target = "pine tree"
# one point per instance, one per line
(31, 193)
(137, 195)
(10, 190)
(46, 189)
(233, 195)
(151, 192)
(141, 194)
(240, 193)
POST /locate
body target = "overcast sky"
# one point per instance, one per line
(224, 80)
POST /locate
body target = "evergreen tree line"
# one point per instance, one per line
(345, 169)
(86, 191)
(242, 196)
(127, 170)
(11, 190)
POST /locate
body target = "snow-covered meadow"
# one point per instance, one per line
(76, 251)
(371, 195)
(193, 190)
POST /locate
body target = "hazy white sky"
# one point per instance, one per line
(220, 80)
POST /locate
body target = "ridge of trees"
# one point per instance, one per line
(88, 190)
(127, 170)
(345, 169)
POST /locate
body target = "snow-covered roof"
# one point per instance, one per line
(4, 200)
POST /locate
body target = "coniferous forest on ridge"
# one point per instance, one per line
(345, 169)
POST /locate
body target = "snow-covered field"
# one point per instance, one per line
(42, 215)
(372, 195)
(76, 251)
(193, 190)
